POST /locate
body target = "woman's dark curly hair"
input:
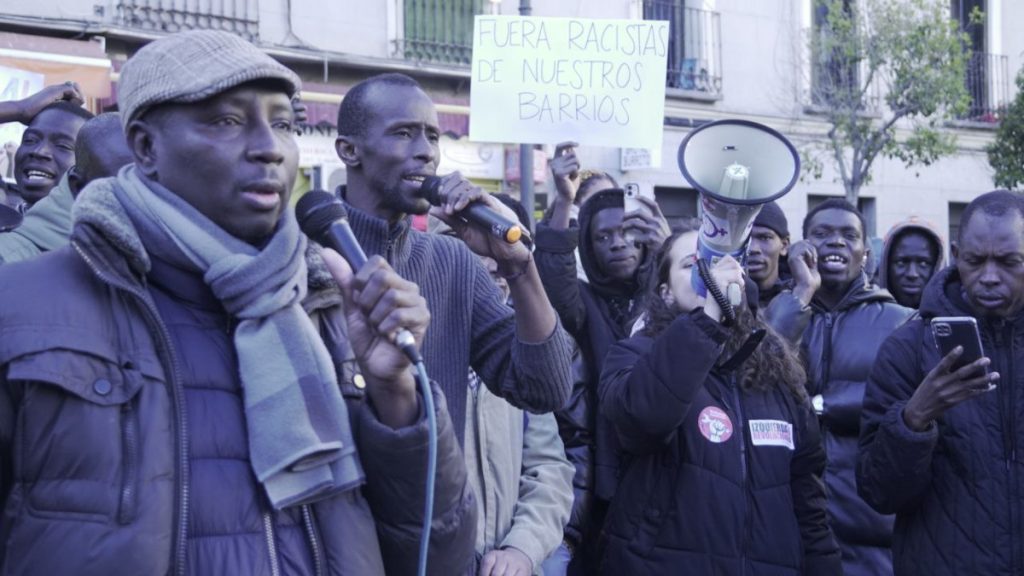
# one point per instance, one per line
(774, 362)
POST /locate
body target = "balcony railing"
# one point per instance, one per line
(694, 46)
(439, 31)
(239, 17)
(988, 83)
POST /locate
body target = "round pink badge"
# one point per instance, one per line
(714, 424)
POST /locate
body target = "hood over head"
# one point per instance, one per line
(917, 224)
(611, 198)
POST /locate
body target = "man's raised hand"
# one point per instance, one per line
(944, 388)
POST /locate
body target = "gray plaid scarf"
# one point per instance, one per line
(300, 439)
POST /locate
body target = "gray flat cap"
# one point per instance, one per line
(193, 66)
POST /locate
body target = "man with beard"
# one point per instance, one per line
(939, 442)
(53, 117)
(100, 151)
(839, 321)
(388, 138)
(910, 257)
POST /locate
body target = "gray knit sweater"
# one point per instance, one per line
(470, 325)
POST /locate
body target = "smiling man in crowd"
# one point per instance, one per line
(53, 117)
(100, 151)
(839, 321)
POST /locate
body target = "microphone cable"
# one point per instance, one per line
(728, 313)
(428, 507)
(322, 217)
(407, 344)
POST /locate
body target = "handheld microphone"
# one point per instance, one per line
(324, 219)
(476, 212)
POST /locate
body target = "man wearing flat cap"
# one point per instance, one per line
(203, 393)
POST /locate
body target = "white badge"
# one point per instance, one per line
(771, 433)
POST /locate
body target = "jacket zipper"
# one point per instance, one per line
(129, 438)
(1007, 423)
(314, 544)
(826, 357)
(178, 558)
(268, 532)
(740, 431)
(1008, 416)
(1014, 517)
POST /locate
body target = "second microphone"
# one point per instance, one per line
(476, 212)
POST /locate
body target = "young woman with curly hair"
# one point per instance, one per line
(724, 462)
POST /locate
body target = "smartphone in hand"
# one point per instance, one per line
(953, 331)
(631, 195)
(631, 203)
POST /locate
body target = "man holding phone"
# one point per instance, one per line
(616, 244)
(939, 443)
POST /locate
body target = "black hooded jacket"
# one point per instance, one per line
(957, 487)
(597, 314)
(840, 346)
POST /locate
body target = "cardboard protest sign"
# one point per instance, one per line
(547, 80)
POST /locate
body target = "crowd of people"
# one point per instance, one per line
(189, 385)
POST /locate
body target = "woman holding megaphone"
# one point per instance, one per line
(724, 473)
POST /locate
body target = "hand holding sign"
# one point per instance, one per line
(565, 168)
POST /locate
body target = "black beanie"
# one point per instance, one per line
(771, 216)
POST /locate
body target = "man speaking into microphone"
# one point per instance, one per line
(388, 138)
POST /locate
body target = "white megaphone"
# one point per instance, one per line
(736, 166)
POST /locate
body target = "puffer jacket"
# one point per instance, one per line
(957, 487)
(720, 480)
(122, 447)
(840, 346)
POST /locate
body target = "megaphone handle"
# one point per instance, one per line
(728, 313)
(735, 296)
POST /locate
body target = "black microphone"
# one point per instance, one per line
(324, 219)
(476, 212)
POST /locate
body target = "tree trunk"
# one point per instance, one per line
(852, 193)
(852, 187)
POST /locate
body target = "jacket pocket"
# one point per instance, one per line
(78, 439)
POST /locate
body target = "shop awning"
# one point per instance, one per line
(59, 60)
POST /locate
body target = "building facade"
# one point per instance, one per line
(745, 59)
